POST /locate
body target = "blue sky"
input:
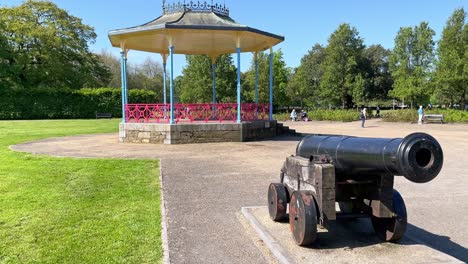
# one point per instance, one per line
(302, 23)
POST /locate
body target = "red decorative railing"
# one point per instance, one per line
(159, 113)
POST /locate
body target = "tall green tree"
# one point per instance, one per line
(196, 82)
(343, 78)
(304, 85)
(5, 57)
(412, 63)
(378, 72)
(281, 75)
(50, 47)
(451, 77)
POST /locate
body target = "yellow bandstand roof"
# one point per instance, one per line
(193, 29)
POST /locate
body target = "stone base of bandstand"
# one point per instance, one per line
(187, 133)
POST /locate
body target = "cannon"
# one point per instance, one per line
(333, 177)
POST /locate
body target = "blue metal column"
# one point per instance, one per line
(171, 84)
(256, 79)
(122, 80)
(125, 78)
(256, 84)
(164, 86)
(271, 84)
(214, 87)
(238, 86)
(214, 82)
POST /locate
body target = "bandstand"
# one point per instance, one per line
(195, 29)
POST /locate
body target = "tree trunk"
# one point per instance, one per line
(463, 100)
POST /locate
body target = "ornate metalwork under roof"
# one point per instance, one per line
(194, 28)
(196, 7)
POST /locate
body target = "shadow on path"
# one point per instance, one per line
(357, 233)
(439, 243)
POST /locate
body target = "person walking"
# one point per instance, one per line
(363, 116)
(420, 114)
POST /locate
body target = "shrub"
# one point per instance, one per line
(281, 116)
(451, 115)
(407, 115)
(321, 115)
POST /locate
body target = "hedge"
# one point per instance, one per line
(450, 115)
(321, 115)
(66, 104)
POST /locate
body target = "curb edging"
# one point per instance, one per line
(268, 239)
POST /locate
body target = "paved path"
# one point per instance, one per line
(205, 185)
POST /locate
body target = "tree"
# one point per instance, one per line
(304, 85)
(378, 72)
(146, 76)
(226, 79)
(451, 76)
(113, 65)
(197, 81)
(153, 76)
(411, 63)
(5, 56)
(281, 76)
(343, 77)
(50, 47)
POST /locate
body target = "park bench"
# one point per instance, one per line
(434, 118)
(103, 115)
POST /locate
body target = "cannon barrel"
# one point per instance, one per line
(418, 157)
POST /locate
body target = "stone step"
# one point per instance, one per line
(281, 129)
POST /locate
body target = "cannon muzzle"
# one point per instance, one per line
(418, 157)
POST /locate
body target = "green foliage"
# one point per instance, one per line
(197, 81)
(451, 115)
(147, 76)
(325, 115)
(378, 73)
(281, 75)
(334, 115)
(67, 210)
(113, 64)
(65, 104)
(284, 116)
(451, 77)
(47, 47)
(342, 69)
(411, 63)
(6, 56)
(303, 88)
(407, 115)
(368, 78)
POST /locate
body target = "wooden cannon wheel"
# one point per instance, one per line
(277, 201)
(392, 229)
(303, 217)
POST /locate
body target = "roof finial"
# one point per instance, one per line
(164, 6)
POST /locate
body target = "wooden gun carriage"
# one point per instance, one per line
(355, 173)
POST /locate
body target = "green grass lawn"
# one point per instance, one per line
(68, 210)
